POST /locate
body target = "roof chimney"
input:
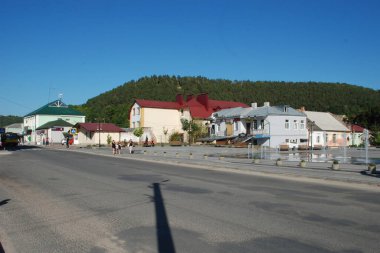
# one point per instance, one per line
(203, 99)
(266, 104)
(254, 105)
(189, 97)
(179, 99)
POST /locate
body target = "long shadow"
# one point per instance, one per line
(367, 173)
(164, 236)
(3, 202)
(1, 248)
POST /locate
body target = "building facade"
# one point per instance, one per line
(270, 126)
(50, 112)
(324, 130)
(164, 118)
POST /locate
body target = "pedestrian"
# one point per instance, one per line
(118, 148)
(113, 147)
(130, 146)
(67, 142)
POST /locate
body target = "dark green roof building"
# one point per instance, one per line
(51, 112)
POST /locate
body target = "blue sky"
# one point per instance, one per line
(82, 48)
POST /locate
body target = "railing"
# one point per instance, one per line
(260, 131)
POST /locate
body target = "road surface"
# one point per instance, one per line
(58, 201)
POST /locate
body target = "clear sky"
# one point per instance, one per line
(82, 48)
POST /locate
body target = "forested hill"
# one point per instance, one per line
(354, 101)
(8, 120)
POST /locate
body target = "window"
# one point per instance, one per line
(286, 124)
(255, 124)
(295, 124)
(302, 125)
(236, 123)
(134, 111)
(262, 124)
(334, 138)
(286, 140)
(327, 138)
(138, 111)
(318, 139)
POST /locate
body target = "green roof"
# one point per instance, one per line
(55, 123)
(56, 107)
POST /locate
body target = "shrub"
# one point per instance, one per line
(176, 136)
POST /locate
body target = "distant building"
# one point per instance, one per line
(16, 128)
(325, 130)
(54, 131)
(165, 117)
(271, 126)
(56, 110)
(95, 133)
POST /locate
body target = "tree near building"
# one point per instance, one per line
(139, 131)
(191, 128)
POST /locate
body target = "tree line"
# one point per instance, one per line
(361, 105)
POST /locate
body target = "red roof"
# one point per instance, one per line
(104, 127)
(200, 111)
(158, 104)
(356, 128)
(200, 106)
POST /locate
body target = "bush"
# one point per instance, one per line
(176, 136)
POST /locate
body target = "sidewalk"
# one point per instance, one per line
(235, 160)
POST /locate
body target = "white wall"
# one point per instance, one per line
(291, 136)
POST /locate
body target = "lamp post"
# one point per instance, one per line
(311, 138)
(99, 128)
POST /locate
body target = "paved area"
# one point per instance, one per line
(236, 160)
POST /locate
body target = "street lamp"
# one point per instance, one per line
(99, 128)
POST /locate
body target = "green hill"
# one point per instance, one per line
(8, 120)
(362, 105)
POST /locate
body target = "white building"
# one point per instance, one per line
(267, 125)
(326, 131)
(55, 110)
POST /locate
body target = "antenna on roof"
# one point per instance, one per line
(59, 102)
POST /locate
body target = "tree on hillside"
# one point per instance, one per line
(338, 98)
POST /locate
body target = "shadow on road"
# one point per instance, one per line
(4, 202)
(164, 236)
(367, 173)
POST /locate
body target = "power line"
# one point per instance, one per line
(16, 103)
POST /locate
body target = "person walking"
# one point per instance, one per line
(67, 142)
(130, 146)
(113, 145)
(118, 146)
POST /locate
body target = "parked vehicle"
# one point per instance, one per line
(9, 140)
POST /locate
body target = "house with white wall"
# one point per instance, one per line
(54, 131)
(267, 125)
(325, 130)
(165, 117)
(50, 112)
(96, 133)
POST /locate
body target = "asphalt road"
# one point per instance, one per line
(57, 201)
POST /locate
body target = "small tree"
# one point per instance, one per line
(190, 127)
(139, 131)
(109, 139)
(375, 138)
